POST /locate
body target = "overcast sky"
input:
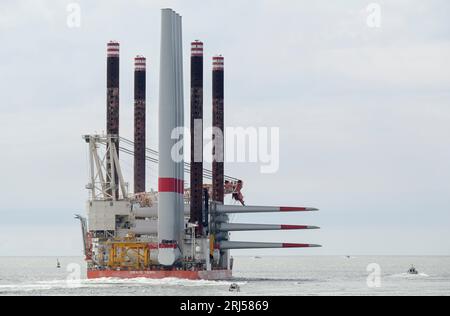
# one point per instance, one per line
(363, 112)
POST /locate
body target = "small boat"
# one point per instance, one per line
(58, 264)
(257, 257)
(234, 288)
(413, 270)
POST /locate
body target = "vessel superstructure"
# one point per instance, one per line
(177, 231)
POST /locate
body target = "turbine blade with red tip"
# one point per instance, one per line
(260, 245)
(228, 227)
(233, 209)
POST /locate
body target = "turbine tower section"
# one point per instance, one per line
(170, 182)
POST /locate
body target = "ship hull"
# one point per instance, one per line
(179, 274)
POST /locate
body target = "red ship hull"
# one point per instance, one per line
(179, 274)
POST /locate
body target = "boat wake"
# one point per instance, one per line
(165, 282)
(111, 282)
(245, 280)
(409, 276)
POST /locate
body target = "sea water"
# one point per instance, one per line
(303, 275)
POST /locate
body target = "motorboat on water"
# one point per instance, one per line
(413, 270)
(234, 288)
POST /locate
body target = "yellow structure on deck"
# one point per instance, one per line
(128, 254)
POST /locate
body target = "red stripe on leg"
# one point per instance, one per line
(170, 185)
